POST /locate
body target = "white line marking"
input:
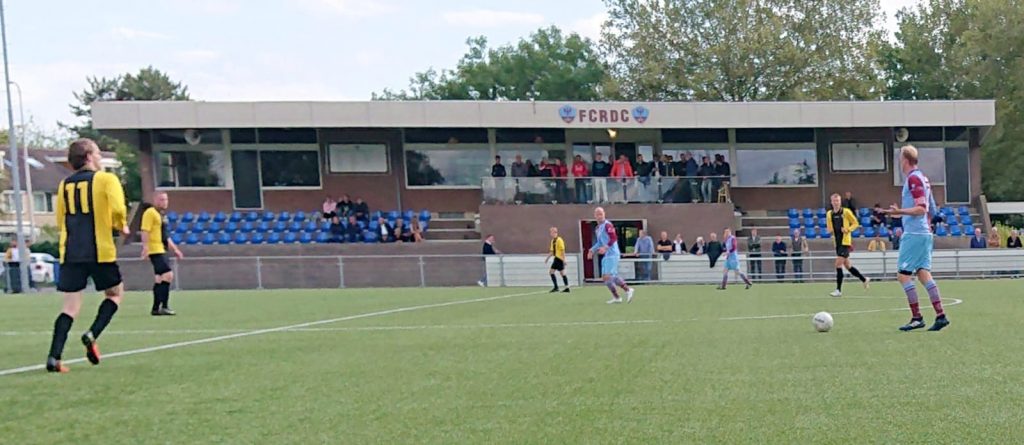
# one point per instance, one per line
(272, 330)
(953, 302)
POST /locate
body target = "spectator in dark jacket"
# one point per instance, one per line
(714, 249)
(978, 241)
(600, 170)
(779, 251)
(644, 170)
(519, 168)
(1013, 242)
(344, 207)
(498, 169)
(361, 210)
(878, 217)
(706, 171)
(385, 233)
(849, 204)
(352, 231)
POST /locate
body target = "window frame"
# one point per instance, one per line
(407, 147)
(50, 205)
(387, 159)
(163, 148)
(752, 146)
(260, 148)
(832, 157)
(897, 180)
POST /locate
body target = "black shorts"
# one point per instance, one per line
(159, 261)
(843, 251)
(558, 265)
(75, 276)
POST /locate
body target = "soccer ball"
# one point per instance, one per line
(822, 321)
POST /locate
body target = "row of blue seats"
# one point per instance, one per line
(870, 232)
(268, 216)
(279, 227)
(865, 221)
(866, 212)
(271, 238)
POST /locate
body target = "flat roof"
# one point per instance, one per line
(1005, 208)
(144, 115)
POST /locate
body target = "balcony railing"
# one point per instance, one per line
(589, 190)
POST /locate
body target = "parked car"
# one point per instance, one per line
(42, 267)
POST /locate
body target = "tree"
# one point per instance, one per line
(34, 136)
(546, 66)
(743, 50)
(148, 84)
(968, 49)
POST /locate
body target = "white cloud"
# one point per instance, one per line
(486, 18)
(196, 56)
(350, 8)
(890, 7)
(213, 7)
(138, 34)
(589, 27)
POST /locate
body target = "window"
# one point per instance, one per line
(677, 153)
(187, 137)
(776, 167)
(448, 165)
(7, 204)
(191, 168)
(931, 161)
(286, 135)
(858, 156)
(358, 158)
(530, 152)
(42, 202)
(290, 168)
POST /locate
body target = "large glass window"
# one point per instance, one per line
(447, 165)
(531, 152)
(358, 158)
(858, 156)
(698, 154)
(290, 168)
(772, 167)
(931, 161)
(191, 168)
(42, 202)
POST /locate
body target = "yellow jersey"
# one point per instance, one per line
(845, 219)
(153, 224)
(90, 207)
(557, 248)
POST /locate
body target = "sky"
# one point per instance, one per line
(247, 50)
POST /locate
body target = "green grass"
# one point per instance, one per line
(535, 368)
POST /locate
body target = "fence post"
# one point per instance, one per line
(259, 273)
(810, 267)
(423, 275)
(341, 273)
(177, 275)
(885, 264)
(580, 276)
(501, 268)
(956, 256)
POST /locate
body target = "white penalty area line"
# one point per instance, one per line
(272, 330)
(952, 302)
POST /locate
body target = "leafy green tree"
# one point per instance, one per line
(743, 50)
(548, 65)
(148, 84)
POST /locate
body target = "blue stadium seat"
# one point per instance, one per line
(369, 237)
(280, 227)
(220, 217)
(236, 217)
(374, 225)
(968, 230)
(812, 233)
(291, 238)
(252, 216)
(375, 215)
(884, 231)
(323, 237)
(203, 217)
(808, 213)
(188, 217)
(268, 216)
(966, 220)
(306, 238)
(199, 227)
(295, 227)
(224, 239)
(231, 227)
(300, 216)
(274, 238)
(794, 223)
(177, 238)
(423, 226)
(172, 217)
(793, 213)
(263, 227)
(825, 235)
(362, 224)
(393, 215)
(869, 232)
(325, 225)
(856, 233)
(240, 238)
(284, 216)
(215, 227)
(964, 211)
(864, 211)
(955, 231)
(209, 239)
(181, 228)
(941, 231)
(192, 239)
(408, 215)
(821, 213)
(257, 238)
(822, 223)
(865, 221)
(808, 222)
(425, 215)
(311, 227)
(247, 227)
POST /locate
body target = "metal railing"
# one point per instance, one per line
(367, 271)
(642, 189)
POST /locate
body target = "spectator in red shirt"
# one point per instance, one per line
(579, 171)
(623, 171)
(560, 171)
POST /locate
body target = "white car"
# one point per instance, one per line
(42, 267)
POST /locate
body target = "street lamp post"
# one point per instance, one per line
(23, 255)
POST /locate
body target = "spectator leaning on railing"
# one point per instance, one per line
(993, 239)
(779, 251)
(877, 244)
(498, 169)
(664, 246)
(698, 247)
(978, 241)
(754, 253)
(600, 170)
(580, 172)
(678, 245)
(1013, 242)
(705, 172)
(714, 249)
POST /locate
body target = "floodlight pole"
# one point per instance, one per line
(23, 256)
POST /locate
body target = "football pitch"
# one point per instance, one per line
(681, 364)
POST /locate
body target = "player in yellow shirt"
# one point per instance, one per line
(155, 243)
(90, 208)
(557, 250)
(841, 224)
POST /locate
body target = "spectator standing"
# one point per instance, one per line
(698, 247)
(724, 172)
(560, 171)
(580, 172)
(623, 171)
(895, 238)
(705, 173)
(644, 171)
(800, 247)
(488, 249)
(498, 169)
(644, 250)
(519, 168)
(779, 252)
(849, 204)
(678, 245)
(498, 175)
(978, 241)
(714, 249)
(600, 170)
(993, 239)
(665, 247)
(754, 254)
(690, 170)
(1013, 242)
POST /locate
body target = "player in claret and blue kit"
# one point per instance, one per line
(732, 260)
(915, 256)
(606, 243)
